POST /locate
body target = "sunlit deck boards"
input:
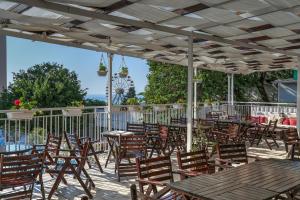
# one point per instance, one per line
(108, 188)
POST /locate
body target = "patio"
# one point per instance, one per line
(108, 188)
(234, 37)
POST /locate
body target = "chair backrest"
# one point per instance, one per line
(136, 128)
(291, 136)
(19, 170)
(232, 117)
(183, 120)
(193, 161)
(53, 143)
(155, 169)
(233, 130)
(175, 120)
(233, 152)
(73, 141)
(151, 128)
(212, 116)
(272, 125)
(133, 143)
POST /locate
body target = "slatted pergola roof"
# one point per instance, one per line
(233, 36)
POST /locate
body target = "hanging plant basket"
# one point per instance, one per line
(72, 112)
(123, 69)
(20, 115)
(123, 73)
(102, 72)
(159, 108)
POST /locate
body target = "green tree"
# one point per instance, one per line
(49, 84)
(166, 83)
(130, 94)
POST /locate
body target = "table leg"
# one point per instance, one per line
(111, 147)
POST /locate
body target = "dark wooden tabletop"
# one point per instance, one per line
(258, 181)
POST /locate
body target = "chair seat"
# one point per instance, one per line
(18, 181)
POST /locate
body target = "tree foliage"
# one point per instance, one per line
(49, 84)
(167, 83)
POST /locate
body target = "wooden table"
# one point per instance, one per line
(113, 138)
(255, 181)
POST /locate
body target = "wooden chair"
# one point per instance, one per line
(72, 164)
(265, 132)
(153, 138)
(212, 116)
(231, 154)
(175, 120)
(135, 128)
(131, 146)
(154, 173)
(74, 142)
(51, 149)
(193, 163)
(290, 137)
(167, 140)
(18, 174)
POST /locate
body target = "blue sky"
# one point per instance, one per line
(22, 54)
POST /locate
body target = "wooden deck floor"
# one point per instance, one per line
(108, 188)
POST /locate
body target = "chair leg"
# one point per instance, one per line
(81, 182)
(96, 158)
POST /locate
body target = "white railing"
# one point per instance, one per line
(94, 120)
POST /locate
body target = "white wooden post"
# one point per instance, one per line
(109, 100)
(232, 89)
(298, 98)
(228, 90)
(195, 94)
(3, 65)
(189, 110)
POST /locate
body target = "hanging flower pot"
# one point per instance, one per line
(102, 71)
(123, 69)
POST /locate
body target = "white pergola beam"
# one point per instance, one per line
(189, 110)
(3, 63)
(70, 44)
(142, 24)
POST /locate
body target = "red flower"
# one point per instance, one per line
(17, 102)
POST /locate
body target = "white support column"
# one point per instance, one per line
(189, 110)
(232, 89)
(228, 89)
(3, 64)
(109, 100)
(195, 94)
(298, 98)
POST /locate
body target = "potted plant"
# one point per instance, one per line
(75, 110)
(133, 104)
(102, 71)
(22, 110)
(123, 72)
(179, 105)
(123, 69)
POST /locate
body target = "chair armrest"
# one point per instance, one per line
(151, 182)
